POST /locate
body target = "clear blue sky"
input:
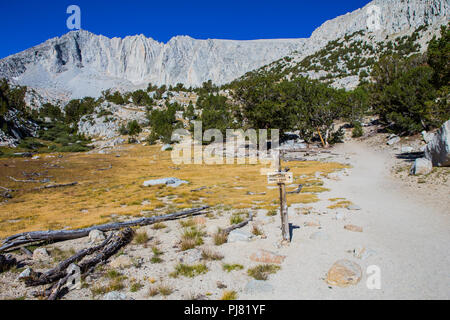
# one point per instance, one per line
(25, 23)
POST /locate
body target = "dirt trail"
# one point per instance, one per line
(409, 231)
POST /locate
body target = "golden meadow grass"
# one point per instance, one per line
(104, 194)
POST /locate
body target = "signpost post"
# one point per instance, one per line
(281, 178)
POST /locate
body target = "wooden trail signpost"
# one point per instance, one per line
(282, 178)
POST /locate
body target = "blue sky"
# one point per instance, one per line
(25, 23)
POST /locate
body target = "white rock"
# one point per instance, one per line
(421, 166)
(258, 286)
(115, 295)
(190, 256)
(393, 141)
(427, 136)
(171, 182)
(407, 149)
(24, 274)
(41, 254)
(239, 235)
(120, 262)
(353, 207)
(96, 236)
(438, 149)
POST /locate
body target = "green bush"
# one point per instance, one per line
(30, 144)
(357, 131)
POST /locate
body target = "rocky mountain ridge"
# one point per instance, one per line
(82, 64)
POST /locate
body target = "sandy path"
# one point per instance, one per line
(411, 238)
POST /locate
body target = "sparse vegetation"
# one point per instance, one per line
(263, 271)
(156, 255)
(191, 238)
(158, 226)
(229, 295)
(189, 271)
(231, 267)
(208, 254)
(136, 286)
(256, 230)
(220, 237)
(141, 237)
(236, 218)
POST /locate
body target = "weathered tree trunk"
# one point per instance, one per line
(7, 262)
(64, 235)
(54, 186)
(237, 226)
(37, 279)
(110, 247)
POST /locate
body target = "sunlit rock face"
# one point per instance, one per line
(82, 64)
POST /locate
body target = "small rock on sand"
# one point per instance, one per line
(393, 140)
(344, 273)
(351, 227)
(258, 286)
(41, 254)
(265, 256)
(353, 207)
(121, 262)
(190, 256)
(363, 253)
(24, 274)
(115, 295)
(96, 236)
(239, 235)
(421, 166)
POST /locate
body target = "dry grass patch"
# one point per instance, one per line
(116, 283)
(141, 237)
(229, 295)
(159, 226)
(208, 254)
(191, 238)
(119, 191)
(231, 267)
(262, 271)
(256, 230)
(220, 237)
(189, 271)
(156, 255)
(340, 204)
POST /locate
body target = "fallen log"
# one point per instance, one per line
(52, 275)
(7, 262)
(54, 186)
(23, 181)
(64, 235)
(237, 226)
(112, 246)
(105, 169)
(26, 251)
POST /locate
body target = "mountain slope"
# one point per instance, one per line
(82, 64)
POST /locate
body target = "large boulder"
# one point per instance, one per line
(344, 273)
(421, 166)
(438, 149)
